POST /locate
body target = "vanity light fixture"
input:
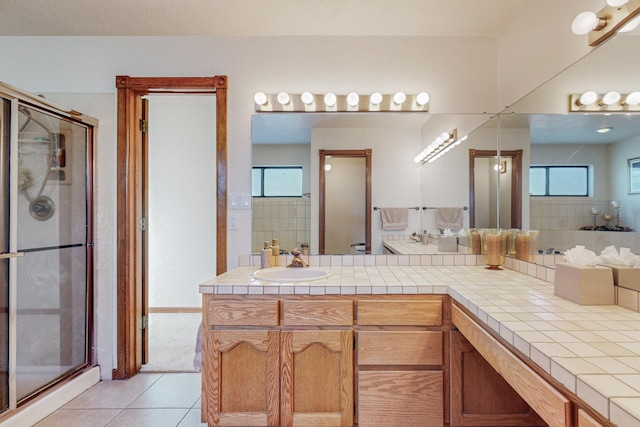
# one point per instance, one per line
(351, 102)
(610, 102)
(616, 16)
(441, 145)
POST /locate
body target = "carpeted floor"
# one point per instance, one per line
(172, 340)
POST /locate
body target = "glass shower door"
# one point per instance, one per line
(52, 231)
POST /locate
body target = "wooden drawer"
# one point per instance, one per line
(400, 348)
(317, 313)
(242, 313)
(398, 312)
(400, 398)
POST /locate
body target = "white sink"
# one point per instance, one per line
(293, 274)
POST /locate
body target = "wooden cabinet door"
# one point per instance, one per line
(317, 378)
(240, 377)
(479, 395)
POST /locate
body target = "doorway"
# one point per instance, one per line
(132, 296)
(501, 179)
(180, 228)
(345, 201)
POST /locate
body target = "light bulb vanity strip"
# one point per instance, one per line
(351, 102)
(609, 102)
(616, 17)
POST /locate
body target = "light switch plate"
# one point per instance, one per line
(233, 221)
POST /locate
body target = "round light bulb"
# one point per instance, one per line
(353, 99)
(260, 98)
(445, 136)
(616, 3)
(306, 98)
(588, 98)
(633, 98)
(283, 98)
(399, 97)
(422, 98)
(611, 98)
(584, 22)
(630, 26)
(327, 167)
(376, 98)
(330, 99)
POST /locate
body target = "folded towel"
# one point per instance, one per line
(394, 218)
(449, 218)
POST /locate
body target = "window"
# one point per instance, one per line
(568, 181)
(276, 181)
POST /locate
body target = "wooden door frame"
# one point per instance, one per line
(366, 154)
(129, 200)
(516, 184)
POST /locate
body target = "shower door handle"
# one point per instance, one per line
(11, 255)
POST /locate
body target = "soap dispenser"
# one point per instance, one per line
(265, 256)
(275, 248)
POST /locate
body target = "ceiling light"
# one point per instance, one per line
(611, 98)
(283, 98)
(604, 129)
(330, 99)
(399, 98)
(376, 98)
(353, 99)
(260, 98)
(616, 3)
(422, 98)
(306, 98)
(587, 21)
(632, 99)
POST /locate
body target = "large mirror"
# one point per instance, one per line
(581, 180)
(294, 139)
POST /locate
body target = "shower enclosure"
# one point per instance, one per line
(46, 245)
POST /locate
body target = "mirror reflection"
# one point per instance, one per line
(581, 171)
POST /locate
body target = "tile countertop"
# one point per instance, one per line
(594, 351)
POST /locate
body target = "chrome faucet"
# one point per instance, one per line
(297, 260)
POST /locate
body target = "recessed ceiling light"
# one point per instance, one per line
(604, 129)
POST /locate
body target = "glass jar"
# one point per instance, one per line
(526, 245)
(474, 241)
(511, 243)
(494, 247)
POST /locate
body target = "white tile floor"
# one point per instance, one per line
(147, 399)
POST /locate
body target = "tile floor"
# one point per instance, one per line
(147, 399)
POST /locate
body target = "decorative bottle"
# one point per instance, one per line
(275, 248)
(265, 256)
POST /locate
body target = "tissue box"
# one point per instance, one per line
(447, 244)
(625, 276)
(584, 285)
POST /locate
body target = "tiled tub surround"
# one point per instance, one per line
(559, 221)
(592, 351)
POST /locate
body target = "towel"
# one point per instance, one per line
(394, 218)
(449, 218)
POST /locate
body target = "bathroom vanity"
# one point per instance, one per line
(404, 345)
